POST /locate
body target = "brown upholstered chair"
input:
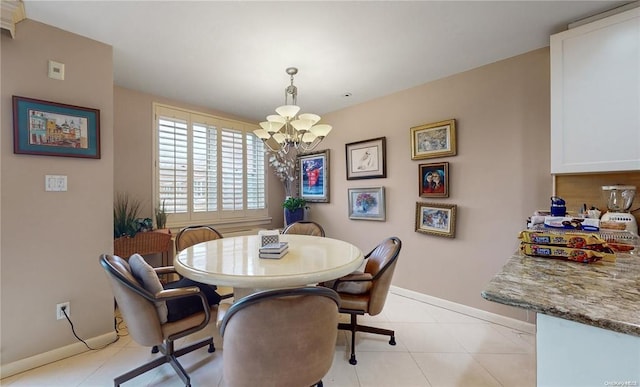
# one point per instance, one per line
(366, 292)
(304, 228)
(141, 311)
(192, 235)
(280, 338)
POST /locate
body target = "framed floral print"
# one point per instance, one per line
(367, 203)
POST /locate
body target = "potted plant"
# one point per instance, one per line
(161, 217)
(294, 209)
(125, 216)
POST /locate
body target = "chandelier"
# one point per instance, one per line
(286, 130)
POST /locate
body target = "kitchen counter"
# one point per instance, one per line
(603, 294)
(588, 321)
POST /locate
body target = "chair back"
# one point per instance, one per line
(135, 303)
(192, 235)
(304, 228)
(282, 337)
(381, 263)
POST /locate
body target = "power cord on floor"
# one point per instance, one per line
(64, 310)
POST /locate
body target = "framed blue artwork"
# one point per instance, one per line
(54, 129)
(314, 176)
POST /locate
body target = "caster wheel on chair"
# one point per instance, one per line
(353, 360)
(211, 348)
(155, 349)
(392, 341)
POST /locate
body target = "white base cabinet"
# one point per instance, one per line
(571, 354)
(595, 96)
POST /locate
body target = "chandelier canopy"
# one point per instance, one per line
(288, 129)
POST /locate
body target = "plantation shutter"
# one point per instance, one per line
(256, 193)
(208, 169)
(232, 169)
(173, 164)
(205, 168)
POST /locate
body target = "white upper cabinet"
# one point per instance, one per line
(595, 96)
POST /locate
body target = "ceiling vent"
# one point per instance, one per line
(11, 12)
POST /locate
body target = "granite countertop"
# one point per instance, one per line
(602, 294)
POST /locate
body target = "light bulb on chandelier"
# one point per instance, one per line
(288, 129)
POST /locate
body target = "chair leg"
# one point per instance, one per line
(354, 327)
(169, 356)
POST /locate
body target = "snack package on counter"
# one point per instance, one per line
(565, 222)
(568, 253)
(570, 239)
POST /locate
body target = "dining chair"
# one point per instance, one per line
(304, 227)
(366, 292)
(142, 303)
(191, 235)
(279, 338)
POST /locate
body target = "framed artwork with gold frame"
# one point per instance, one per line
(436, 219)
(433, 140)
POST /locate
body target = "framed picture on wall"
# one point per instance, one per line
(433, 140)
(314, 176)
(54, 129)
(367, 203)
(436, 219)
(366, 159)
(433, 180)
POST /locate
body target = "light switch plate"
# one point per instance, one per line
(56, 183)
(56, 70)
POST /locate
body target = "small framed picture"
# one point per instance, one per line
(314, 176)
(433, 180)
(436, 219)
(55, 129)
(433, 140)
(367, 203)
(366, 159)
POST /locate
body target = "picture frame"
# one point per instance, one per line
(433, 180)
(436, 219)
(313, 170)
(433, 140)
(367, 159)
(367, 203)
(54, 129)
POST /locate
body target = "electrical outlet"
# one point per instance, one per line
(67, 308)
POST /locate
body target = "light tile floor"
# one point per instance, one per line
(435, 347)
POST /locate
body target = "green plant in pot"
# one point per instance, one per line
(294, 209)
(125, 215)
(161, 216)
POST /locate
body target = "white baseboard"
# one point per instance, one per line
(41, 359)
(467, 310)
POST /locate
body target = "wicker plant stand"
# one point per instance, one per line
(144, 243)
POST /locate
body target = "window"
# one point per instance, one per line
(208, 169)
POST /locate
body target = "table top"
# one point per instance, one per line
(235, 262)
(602, 294)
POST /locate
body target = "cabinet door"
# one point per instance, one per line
(595, 96)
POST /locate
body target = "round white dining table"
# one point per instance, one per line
(235, 262)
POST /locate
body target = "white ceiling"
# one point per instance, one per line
(231, 56)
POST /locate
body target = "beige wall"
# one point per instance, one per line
(133, 137)
(500, 175)
(51, 241)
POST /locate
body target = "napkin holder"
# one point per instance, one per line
(268, 237)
